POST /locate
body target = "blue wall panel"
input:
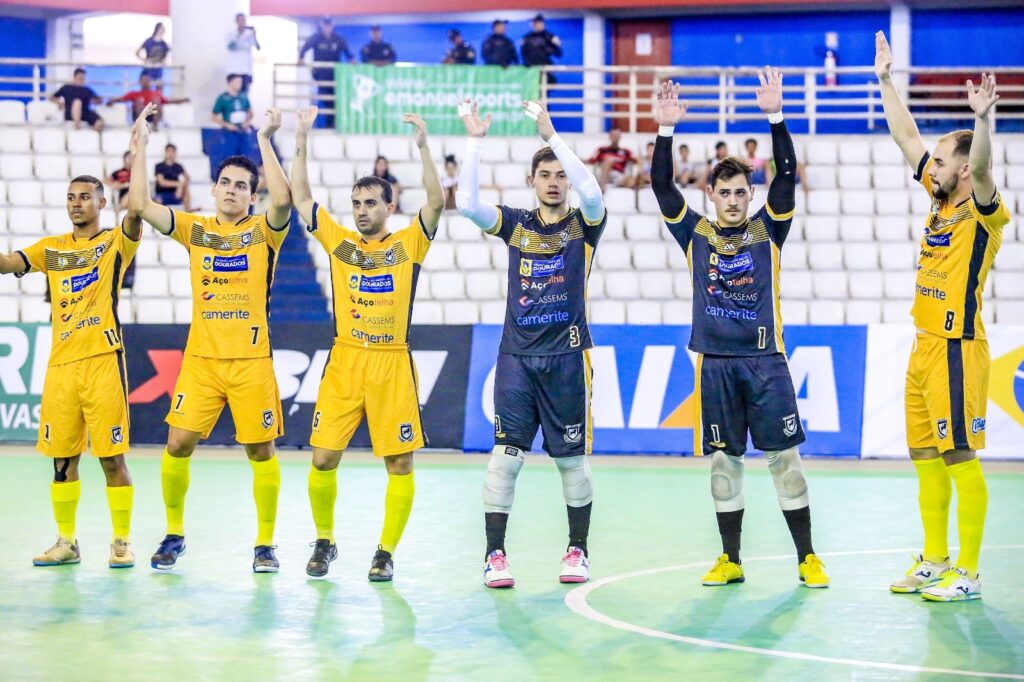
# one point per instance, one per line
(989, 37)
(21, 39)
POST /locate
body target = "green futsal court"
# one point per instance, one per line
(644, 615)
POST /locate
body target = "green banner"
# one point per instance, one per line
(24, 353)
(371, 99)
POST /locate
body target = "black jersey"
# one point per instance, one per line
(548, 267)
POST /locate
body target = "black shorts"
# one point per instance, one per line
(550, 392)
(88, 115)
(166, 197)
(746, 394)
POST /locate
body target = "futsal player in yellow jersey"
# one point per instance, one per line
(227, 358)
(947, 380)
(85, 395)
(370, 371)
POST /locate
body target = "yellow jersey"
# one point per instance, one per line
(85, 277)
(374, 282)
(232, 269)
(957, 249)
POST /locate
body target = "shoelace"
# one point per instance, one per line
(498, 562)
(573, 558)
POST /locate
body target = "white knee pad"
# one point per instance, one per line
(500, 484)
(788, 473)
(727, 482)
(577, 481)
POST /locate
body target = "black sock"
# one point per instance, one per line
(730, 526)
(579, 526)
(495, 524)
(799, 522)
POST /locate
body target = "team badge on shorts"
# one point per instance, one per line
(116, 435)
(941, 427)
(268, 418)
(789, 425)
(573, 433)
(405, 433)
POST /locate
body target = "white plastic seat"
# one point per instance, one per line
(181, 115)
(866, 286)
(27, 220)
(183, 311)
(821, 152)
(48, 141)
(328, 147)
(896, 312)
(462, 229)
(473, 256)
(899, 285)
(34, 308)
(656, 285)
(87, 141)
(920, 202)
(151, 282)
(623, 285)
(793, 311)
(650, 255)
(794, 256)
(897, 257)
(116, 140)
(523, 197)
(825, 256)
(86, 164)
(179, 282)
(1009, 312)
(1010, 258)
(56, 221)
(854, 152)
(52, 168)
(826, 312)
(395, 148)
(511, 176)
(495, 151)
(148, 252)
(887, 153)
(12, 111)
(797, 285)
(1005, 285)
(830, 284)
(620, 200)
(447, 286)
(860, 256)
(889, 177)
(863, 312)
(892, 202)
(821, 228)
(595, 285)
(647, 203)
(189, 142)
(24, 193)
(823, 202)
(484, 285)
(43, 112)
(427, 312)
(16, 167)
(643, 312)
(854, 177)
(858, 202)
(499, 254)
(440, 257)
(821, 177)
(616, 256)
(856, 229)
(172, 254)
(492, 312)
(892, 228)
(151, 310)
(409, 174)
(460, 312)
(340, 199)
(676, 312)
(607, 312)
(644, 228)
(9, 311)
(360, 148)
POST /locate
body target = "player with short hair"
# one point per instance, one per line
(947, 378)
(742, 382)
(85, 394)
(543, 373)
(370, 370)
(232, 257)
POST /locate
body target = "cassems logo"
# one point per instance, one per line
(230, 263)
(547, 299)
(380, 284)
(540, 268)
(938, 239)
(66, 317)
(79, 282)
(207, 296)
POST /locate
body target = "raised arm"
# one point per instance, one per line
(901, 124)
(302, 195)
(582, 180)
(782, 191)
(982, 100)
(140, 203)
(132, 221)
(430, 214)
(669, 110)
(12, 264)
(280, 210)
(467, 198)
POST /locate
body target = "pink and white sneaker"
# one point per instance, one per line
(496, 571)
(575, 567)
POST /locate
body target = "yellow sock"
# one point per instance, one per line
(65, 503)
(397, 505)
(266, 483)
(120, 501)
(971, 504)
(934, 491)
(174, 480)
(323, 491)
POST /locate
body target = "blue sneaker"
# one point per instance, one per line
(166, 556)
(264, 560)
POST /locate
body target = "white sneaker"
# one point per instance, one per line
(575, 567)
(496, 571)
(955, 585)
(921, 575)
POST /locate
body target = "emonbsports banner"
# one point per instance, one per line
(371, 99)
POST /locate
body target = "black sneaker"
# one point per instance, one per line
(264, 560)
(324, 552)
(172, 547)
(382, 569)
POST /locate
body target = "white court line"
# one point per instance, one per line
(576, 600)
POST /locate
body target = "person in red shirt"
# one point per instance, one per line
(612, 163)
(143, 96)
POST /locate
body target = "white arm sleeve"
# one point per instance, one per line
(467, 198)
(591, 200)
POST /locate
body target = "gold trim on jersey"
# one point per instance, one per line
(936, 222)
(59, 261)
(779, 217)
(348, 252)
(240, 240)
(698, 419)
(755, 233)
(678, 218)
(780, 345)
(528, 241)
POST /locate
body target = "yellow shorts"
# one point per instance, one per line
(247, 385)
(85, 397)
(947, 393)
(380, 384)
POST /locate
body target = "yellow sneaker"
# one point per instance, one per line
(121, 555)
(63, 552)
(723, 572)
(812, 572)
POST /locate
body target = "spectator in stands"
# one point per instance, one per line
(154, 53)
(758, 177)
(232, 110)
(118, 181)
(461, 51)
(327, 46)
(450, 181)
(172, 181)
(721, 151)
(540, 46)
(498, 48)
(377, 51)
(143, 96)
(382, 170)
(685, 172)
(611, 163)
(76, 99)
(643, 176)
(241, 42)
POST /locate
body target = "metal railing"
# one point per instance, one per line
(723, 96)
(36, 79)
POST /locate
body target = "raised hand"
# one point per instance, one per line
(421, 127)
(668, 108)
(536, 112)
(469, 113)
(140, 130)
(984, 97)
(883, 58)
(307, 117)
(272, 124)
(769, 95)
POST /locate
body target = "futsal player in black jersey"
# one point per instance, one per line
(543, 374)
(742, 382)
